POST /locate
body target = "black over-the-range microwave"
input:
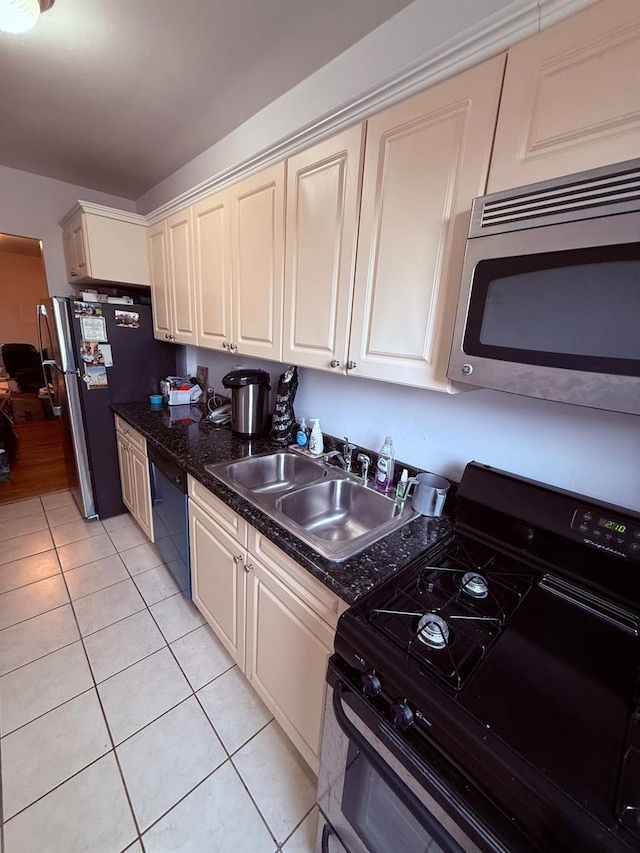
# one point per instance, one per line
(550, 299)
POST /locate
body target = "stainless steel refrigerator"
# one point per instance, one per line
(128, 359)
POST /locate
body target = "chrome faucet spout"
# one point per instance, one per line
(332, 455)
(347, 452)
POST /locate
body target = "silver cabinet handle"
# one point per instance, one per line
(334, 363)
(225, 344)
(238, 559)
(233, 347)
(351, 365)
(248, 568)
(74, 273)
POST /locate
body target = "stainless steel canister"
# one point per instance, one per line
(249, 401)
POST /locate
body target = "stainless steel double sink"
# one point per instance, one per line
(329, 509)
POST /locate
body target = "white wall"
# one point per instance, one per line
(584, 450)
(32, 206)
(416, 48)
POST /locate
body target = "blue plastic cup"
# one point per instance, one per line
(155, 400)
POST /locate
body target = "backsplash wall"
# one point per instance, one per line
(584, 450)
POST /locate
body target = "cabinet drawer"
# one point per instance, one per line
(227, 518)
(132, 435)
(311, 591)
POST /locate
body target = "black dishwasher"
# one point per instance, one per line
(170, 517)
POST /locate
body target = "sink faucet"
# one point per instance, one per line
(347, 452)
(332, 454)
(365, 461)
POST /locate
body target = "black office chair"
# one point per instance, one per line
(22, 363)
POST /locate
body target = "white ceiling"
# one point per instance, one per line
(116, 95)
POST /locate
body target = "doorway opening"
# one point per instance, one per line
(31, 439)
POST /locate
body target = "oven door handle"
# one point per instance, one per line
(390, 778)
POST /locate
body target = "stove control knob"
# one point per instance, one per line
(402, 715)
(370, 684)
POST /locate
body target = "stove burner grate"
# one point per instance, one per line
(446, 617)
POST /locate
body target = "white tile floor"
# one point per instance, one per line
(125, 724)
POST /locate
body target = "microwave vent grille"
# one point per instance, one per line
(582, 199)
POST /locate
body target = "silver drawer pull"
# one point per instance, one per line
(248, 568)
(238, 559)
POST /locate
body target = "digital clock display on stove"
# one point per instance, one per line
(612, 525)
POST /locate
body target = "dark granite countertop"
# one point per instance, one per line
(195, 444)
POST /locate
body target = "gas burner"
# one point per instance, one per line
(474, 585)
(433, 631)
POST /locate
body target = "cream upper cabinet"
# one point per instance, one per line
(212, 251)
(425, 160)
(160, 292)
(257, 251)
(323, 201)
(571, 97)
(104, 244)
(181, 277)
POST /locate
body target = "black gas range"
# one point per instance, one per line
(499, 672)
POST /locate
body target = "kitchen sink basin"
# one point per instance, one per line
(327, 508)
(338, 510)
(276, 472)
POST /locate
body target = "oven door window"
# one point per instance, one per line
(574, 309)
(383, 823)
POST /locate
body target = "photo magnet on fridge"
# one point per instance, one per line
(128, 319)
(96, 377)
(86, 309)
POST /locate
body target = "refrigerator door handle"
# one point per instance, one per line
(47, 362)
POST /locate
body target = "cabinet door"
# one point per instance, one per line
(570, 99)
(288, 646)
(323, 198)
(158, 267)
(141, 490)
(212, 250)
(257, 248)
(425, 160)
(126, 479)
(69, 254)
(218, 580)
(181, 276)
(79, 252)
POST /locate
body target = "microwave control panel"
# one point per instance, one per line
(607, 531)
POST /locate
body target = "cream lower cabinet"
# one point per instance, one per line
(218, 541)
(425, 160)
(570, 99)
(291, 621)
(134, 474)
(274, 618)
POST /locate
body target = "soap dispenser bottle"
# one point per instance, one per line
(384, 469)
(302, 436)
(316, 442)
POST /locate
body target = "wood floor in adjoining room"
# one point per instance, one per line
(39, 467)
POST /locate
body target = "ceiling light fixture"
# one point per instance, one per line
(20, 16)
